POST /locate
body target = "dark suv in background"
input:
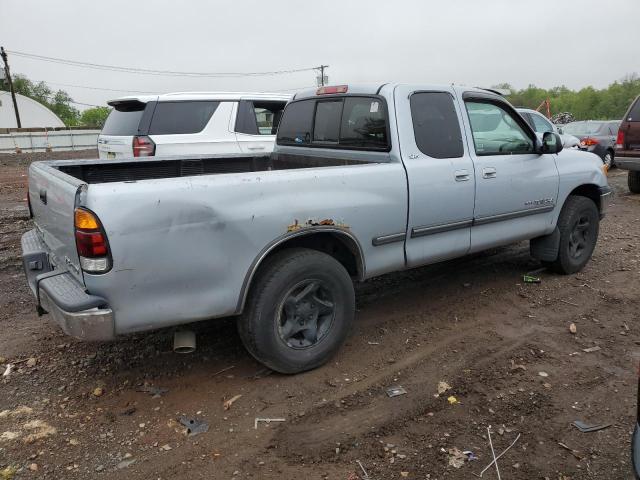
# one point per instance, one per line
(597, 137)
(628, 145)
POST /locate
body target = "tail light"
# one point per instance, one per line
(588, 142)
(331, 90)
(91, 242)
(143, 147)
(620, 139)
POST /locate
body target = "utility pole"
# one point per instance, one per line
(322, 67)
(7, 74)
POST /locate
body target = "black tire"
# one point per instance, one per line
(634, 181)
(278, 306)
(579, 224)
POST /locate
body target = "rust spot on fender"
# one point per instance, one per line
(296, 225)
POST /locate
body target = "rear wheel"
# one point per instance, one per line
(299, 312)
(634, 181)
(578, 224)
(608, 159)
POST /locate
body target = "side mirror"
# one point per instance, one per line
(560, 131)
(551, 143)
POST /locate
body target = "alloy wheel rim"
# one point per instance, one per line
(580, 237)
(305, 314)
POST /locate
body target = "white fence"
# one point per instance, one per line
(51, 140)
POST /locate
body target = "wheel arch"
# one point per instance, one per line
(589, 190)
(339, 243)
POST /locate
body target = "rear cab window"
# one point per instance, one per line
(343, 122)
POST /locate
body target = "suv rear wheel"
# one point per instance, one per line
(579, 224)
(634, 181)
(299, 312)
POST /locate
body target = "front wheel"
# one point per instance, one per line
(578, 224)
(299, 312)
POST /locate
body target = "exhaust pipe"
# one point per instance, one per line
(184, 341)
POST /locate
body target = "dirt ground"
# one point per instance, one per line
(77, 410)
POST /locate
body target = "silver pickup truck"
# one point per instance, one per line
(365, 180)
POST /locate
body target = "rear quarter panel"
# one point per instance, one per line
(183, 247)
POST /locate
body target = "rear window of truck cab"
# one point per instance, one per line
(346, 122)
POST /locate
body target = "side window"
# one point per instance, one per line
(496, 131)
(540, 124)
(326, 125)
(170, 118)
(634, 112)
(258, 117)
(295, 127)
(364, 124)
(435, 125)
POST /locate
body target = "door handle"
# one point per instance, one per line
(461, 175)
(489, 172)
(255, 148)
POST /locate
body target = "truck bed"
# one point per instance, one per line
(105, 171)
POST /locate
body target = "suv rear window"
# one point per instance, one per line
(338, 122)
(170, 118)
(124, 119)
(634, 111)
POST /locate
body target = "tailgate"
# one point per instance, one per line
(115, 146)
(52, 195)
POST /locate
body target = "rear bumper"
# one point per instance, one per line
(78, 313)
(628, 163)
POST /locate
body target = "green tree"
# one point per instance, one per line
(94, 117)
(586, 104)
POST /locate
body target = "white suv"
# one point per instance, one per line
(191, 123)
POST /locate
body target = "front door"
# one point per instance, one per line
(440, 174)
(516, 188)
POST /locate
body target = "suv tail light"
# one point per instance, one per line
(588, 142)
(143, 147)
(620, 139)
(91, 242)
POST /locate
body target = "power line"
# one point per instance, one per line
(94, 88)
(144, 71)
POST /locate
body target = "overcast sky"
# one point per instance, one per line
(544, 42)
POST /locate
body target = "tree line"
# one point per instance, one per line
(588, 103)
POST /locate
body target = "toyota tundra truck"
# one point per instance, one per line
(364, 180)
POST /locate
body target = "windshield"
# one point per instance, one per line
(582, 128)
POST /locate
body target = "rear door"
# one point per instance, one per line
(440, 174)
(256, 124)
(631, 127)
(52, 196)
(192, 127)
(123, 123)
(516, 189)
